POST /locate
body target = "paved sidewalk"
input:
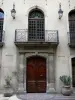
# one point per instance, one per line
(3, 98)
(40, 96)
(45, 96)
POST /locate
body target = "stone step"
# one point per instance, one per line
(45, 97)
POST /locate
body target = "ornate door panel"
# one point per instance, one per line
(41, 75)
(36, 74)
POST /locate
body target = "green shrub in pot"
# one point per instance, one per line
(66, 80)
(66, 89)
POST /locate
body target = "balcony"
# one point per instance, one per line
(71, 39)
(1, 38)
(49, 40)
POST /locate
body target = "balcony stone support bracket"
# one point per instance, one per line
(50, 75)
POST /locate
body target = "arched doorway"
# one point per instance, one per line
(36, 74)
(36, 25)
(73, 71)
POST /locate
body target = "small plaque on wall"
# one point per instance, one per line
(9, 60)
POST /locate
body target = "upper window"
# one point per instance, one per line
(36, 14)
(36, 25)
(1, 23)
(72, 21)
(1, 19)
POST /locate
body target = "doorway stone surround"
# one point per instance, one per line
(50, 68)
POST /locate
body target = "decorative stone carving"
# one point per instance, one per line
(22, 35)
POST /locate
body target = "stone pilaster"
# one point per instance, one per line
(51, 74)
(24, 78)
(21, 73)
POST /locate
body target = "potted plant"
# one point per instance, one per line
(8, 86)
(8, 81)
(66, 89)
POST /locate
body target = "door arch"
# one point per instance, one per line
(36, 74)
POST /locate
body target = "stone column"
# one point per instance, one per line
(51, 74)
(21, 73)
(24, 78)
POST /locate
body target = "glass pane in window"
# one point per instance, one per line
(36, 26)
(1, 15)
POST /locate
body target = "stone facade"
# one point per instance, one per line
(13, 58)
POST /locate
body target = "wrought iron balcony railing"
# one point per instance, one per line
(71, 39)
(51, 36)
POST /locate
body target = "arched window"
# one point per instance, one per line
(1, 23)
(36, 25)
(72, 25)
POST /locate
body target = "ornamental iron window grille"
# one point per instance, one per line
(72, 26)
(36, 30)
(1, 23)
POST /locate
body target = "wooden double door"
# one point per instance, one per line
(36, 75)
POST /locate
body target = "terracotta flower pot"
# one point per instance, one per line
(66, 90)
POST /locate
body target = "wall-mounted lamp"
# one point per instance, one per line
(60, 12)
(13, 11)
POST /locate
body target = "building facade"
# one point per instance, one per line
(37, 44)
